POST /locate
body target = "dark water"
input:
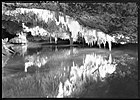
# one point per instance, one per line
(37, 72)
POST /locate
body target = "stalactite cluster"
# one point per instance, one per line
(20, 39)
(67, 26)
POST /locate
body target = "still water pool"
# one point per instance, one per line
(48, 71)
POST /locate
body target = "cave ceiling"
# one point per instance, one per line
(112, 18)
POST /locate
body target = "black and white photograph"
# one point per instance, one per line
(61, 49)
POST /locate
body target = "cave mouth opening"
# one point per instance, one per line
(6, 34)
(81, 43)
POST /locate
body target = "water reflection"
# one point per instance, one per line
(21, 49)
(4, 60)
(35, 60)
(40, 58)
(94, 66)
(65, 73)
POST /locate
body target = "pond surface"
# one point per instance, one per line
(47, 71)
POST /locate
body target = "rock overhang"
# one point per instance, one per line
(89, 21)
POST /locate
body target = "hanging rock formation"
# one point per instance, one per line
(68, 24)
(20, 39)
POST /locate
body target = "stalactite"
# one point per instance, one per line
(61, 19)
(74, 29)
(65, 18)
(109, 42)
(55, 39)
(94, 41)
(65, 28)
(68, 24)
(104, 44)
(71, 41)
(50, 39)
(57, 16)
(109, 39)
(97, 38)
(83, 41)
(99, 45)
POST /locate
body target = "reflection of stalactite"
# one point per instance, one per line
(110, 59)
(21, 49)
(60, 91)
(67, 88)
(94, 66)
(35, 60)
(56, 48)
